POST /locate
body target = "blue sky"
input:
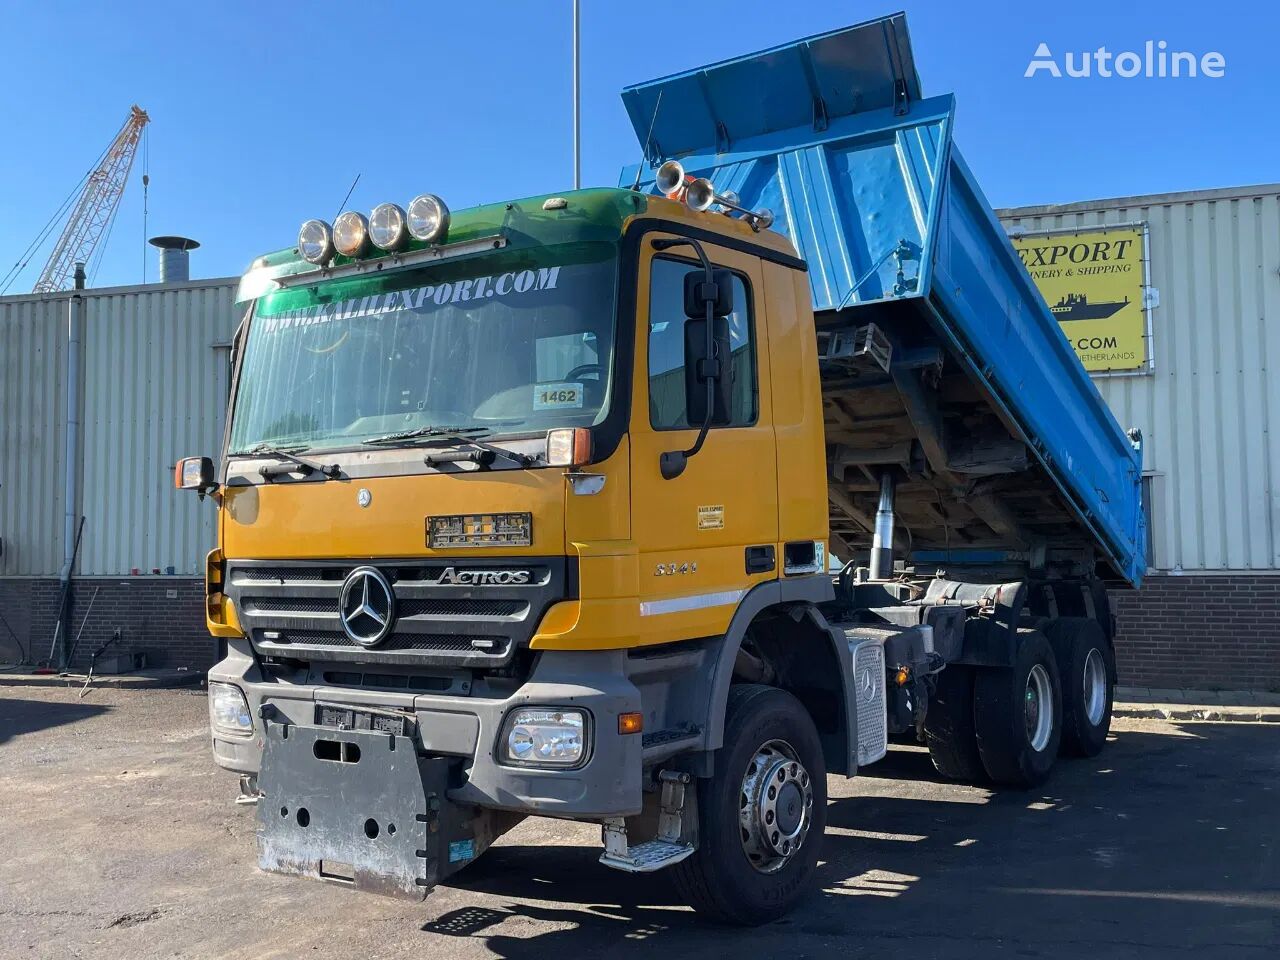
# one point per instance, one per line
(263, 113)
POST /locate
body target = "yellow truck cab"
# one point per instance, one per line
(528, 509)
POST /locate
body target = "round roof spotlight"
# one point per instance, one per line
(670, 177)
(428, 218)
(700, 195)
(315, 242)
(388, 227)
(351, 234)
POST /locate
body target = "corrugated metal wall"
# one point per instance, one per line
(155, 384)
(33, 336)
(1207, 410)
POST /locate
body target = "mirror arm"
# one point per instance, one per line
(672, 462)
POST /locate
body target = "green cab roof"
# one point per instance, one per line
(592, 214)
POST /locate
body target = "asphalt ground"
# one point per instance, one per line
(119, 838)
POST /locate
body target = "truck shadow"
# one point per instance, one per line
(1167, 842)
(18, 717)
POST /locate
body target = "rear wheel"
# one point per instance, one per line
(948, 727)
(1017, 714)
(1087, 666)
(761, 815)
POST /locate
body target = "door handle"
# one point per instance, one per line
(760, 559)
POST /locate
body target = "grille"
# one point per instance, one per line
(269, 605)
(321, 606)
(869, 684)
(461, 608)
(441, 642)
(295, 574)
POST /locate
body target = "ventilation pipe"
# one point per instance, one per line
(175, 258)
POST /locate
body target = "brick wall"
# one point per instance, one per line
(1200, 632)
(1191, 632)
(162, 617)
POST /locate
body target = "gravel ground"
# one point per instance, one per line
(120, 839)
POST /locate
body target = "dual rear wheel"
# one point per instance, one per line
(1008, 725)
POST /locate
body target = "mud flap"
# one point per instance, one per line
(359, 808)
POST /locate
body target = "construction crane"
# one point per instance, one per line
(95, 208)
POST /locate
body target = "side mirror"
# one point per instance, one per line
(697, 292)
(195, 473)
(698, 368)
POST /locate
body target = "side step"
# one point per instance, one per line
(664, 850)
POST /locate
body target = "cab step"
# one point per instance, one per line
(646, 857)
(667, 848)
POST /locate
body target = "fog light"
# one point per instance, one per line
(544, 736)
(387, 228)
(351, 234)
(315, 242)
(229, 711)
(428, 218)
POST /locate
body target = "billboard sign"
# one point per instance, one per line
(1095, 284)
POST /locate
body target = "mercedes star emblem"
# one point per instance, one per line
(367, 606)
(364, 497)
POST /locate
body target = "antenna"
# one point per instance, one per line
(647, 140)
(350, 190)
(577, 103)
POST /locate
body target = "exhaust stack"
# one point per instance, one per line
(175, 258)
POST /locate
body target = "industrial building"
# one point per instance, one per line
(154, 377)
(1206, 404)
(153, 380)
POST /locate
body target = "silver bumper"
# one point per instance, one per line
(467, 728)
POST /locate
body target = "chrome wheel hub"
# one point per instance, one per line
(775, 806)
(1095, 686)
(1038, 704)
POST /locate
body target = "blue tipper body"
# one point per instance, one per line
(833, 135)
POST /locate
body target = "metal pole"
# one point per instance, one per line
(577, 104)
(71, 454)
(882, 539)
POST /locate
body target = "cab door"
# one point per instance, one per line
(707, 536)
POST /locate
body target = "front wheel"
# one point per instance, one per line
(762, 813)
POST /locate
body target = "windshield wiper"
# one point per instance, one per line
(483, 453)
(414, 434)
(295, 463)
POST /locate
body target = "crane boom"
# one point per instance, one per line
(94, 208)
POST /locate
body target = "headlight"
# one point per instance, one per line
(351, 234)
(545, 736)
(387, 227)
(315, 242)
(428, 218)
(229, 711)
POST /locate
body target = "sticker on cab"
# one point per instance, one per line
(711, 517)
(557, 396)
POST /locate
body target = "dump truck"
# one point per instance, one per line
(656, 506)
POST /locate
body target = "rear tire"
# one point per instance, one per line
(1017, 714)
(1087, 665)
(948, 727)
(738, 874)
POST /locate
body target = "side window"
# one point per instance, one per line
(666, 349)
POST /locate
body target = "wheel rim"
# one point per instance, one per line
(1095, 686)
(1039, 707)
(775, 806)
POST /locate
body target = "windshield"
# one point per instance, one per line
(511, 343)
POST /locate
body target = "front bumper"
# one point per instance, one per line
(465, 728)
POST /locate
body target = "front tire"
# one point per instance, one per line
(1087, 664)
(761, 815)
(1017, 714)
